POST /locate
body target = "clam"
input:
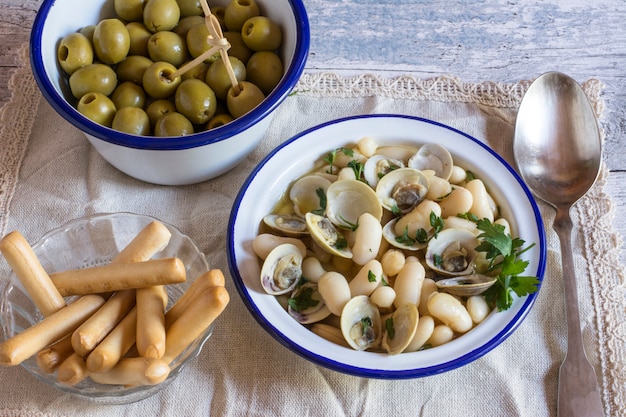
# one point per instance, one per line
(402, 189)
(306, 304)
(466, 285)
(347, 199)
(400, 329)
(287, 224)
(306, 193)
(282, 269)
(360, 323)
(326, 235)
(378, 166)
(452, 252)
(433, 157)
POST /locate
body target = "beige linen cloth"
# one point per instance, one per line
(50, 175)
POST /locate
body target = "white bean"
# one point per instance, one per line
(330, 333)
(504, 222)
(458, 175)
(367, 238)
(437, 188)
(477, 308)
(481, 206)
(335, 291)
(454, 222)
(346, 173)
(312, 269)
(458, 201)
(428, 287)
(367, 279)
(367, 146)
(383, 297)
(418, 218)
(408, 284)
(425, 328)
(441, 334)
(264, 243)
(392, 260)
(450, 311)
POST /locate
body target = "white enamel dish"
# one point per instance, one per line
(267, 182)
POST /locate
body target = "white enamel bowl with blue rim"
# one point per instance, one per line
(174, 160)
(269, 180)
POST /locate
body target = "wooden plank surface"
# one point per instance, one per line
(497, 40)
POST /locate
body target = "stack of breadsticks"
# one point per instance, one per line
(117, 331)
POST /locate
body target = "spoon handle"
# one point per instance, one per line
(579, 393)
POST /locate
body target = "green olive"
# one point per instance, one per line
(161, 15)
(190, 8)
(128, 94)
(131, 120)
(219, 120)
(129, 10)
(248, 98)
(74, 52)
(157, 82)
(196, 42)
(111, 41)
(218, 79)
(167, 46)
(260, 33)
(195, 100)
(97, 107)
(238, 11)
(173, 124)
(139, 36)
(94, 78)
(265, 70)
(198, 71)
(187, 23)
(219, 12)
(238, 48)
(88, 31)
(158, 108)
(133, 68)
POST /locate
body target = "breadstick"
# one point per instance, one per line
(22, 259)
(115, 344)
(151, 302)
(96, 327)
(151, 239)
(198, 316)
(23, 345)
(72, 370)
(212, 278)
(132, 372)
(49, 358)
(120, 276)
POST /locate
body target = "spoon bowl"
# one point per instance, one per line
(558, 151)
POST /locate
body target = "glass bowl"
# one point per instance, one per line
(92, 241)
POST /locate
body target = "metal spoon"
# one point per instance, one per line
(558, 150)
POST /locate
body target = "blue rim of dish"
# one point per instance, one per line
(471, 356)
(276, 97)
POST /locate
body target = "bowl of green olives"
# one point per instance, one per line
(138, 79)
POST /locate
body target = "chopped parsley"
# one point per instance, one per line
(357, 167)
(371, 277)
(421, 235)
(303, 299)
(322, 196)
(502, 252)
(389, 327)
(332, 156)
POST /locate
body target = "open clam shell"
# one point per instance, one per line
(305, 193)
(361, 324)
(378, 166)
(348, 199)
(402, 189)
(401, 329)
(326, 235)
(287, 224)
(308, 307)
(467, 285)
(434, 157)
(452, 252)
(282, 269)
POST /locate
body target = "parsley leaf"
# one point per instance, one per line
(303, 299)
(357, 167)
(322, 196)
(503, 253)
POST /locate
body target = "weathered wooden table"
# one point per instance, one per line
(495, 40)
